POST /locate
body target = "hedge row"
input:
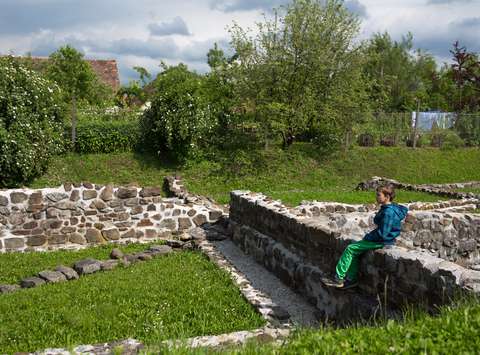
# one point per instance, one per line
(106, 136)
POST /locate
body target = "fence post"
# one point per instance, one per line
(417, 118)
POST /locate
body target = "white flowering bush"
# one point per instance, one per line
(180, 121)
(31, 123)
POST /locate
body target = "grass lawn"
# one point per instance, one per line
(452, 331)
(301, 173)
(15, 266)
(150, 301)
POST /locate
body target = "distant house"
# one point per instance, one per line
(106, 70)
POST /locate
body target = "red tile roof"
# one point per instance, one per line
(106, 70)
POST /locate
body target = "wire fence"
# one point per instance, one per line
(398, 128)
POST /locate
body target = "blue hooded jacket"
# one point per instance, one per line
(388, 221)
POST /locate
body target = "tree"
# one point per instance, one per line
(145, 76)
(75, 77)
(295, 73)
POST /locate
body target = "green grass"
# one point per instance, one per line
(15, 266)
(149, 301)
(452, 331)
(300, 173)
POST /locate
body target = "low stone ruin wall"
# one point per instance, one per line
(444, 229)
(301, 249)
(74, 215)
(446, 190)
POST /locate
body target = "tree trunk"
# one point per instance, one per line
(74, 120)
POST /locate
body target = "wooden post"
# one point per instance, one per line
(415, 129)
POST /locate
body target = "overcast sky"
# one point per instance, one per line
(144, 32)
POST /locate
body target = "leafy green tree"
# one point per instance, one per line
(145, 76)
(295, 73)
(75, 77)
(180, 121)
(31, 123)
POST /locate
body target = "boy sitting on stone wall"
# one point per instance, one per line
(388, 221)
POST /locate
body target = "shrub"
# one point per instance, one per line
(180, 118)
(366, 140)
(31, 116)
(452, 140)
(107, 136)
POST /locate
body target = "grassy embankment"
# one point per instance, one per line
(299, 174)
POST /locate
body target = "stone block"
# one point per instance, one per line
(151, 233)
(107, 193)
(31, 282)
(87, 266)
(116, 254)
(126, 192)
(111, 234)
(56, 196)
(3, 201)
(184, 223)
(77, 238)
(9, 288)
(160, 249)
(56, 239)
(52, 276)
(215, 215)
(94, 236)
(18, 197)
(131, 202)
(145, 223)
(69, 273)
(89, 194)
(151, 208)
(150, 191)
(14, 243)
(129, 234)
(200, 219)
(109, 264)
(75, 196)
(36, 240)
(136, 210)
(99, 204)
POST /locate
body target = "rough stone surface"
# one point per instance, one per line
(52, 276)
(87, 266)
(111, 234)
(9, 288)
(69, 273)
(116, 254)
(31, 282)
(18, 197)
(160, 249)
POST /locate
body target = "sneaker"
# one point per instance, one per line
(333, 282)
(349, 284)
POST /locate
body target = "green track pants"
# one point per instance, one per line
(348, 263)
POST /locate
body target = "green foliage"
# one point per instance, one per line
(301, 172)
(180, 120)
(31, 116)
(107, 136)
(301, 71)
(77, 80)
(468, 128)
(150, 301)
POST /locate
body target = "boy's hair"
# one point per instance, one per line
(387, 190)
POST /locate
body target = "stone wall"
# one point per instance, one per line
(444, 229)
(301, 249)
(74, 215)
(446, 190)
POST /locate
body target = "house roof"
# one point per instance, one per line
(106, 70)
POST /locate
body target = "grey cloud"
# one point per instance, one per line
(465, 31)
(245, 5)
(355, 6)
(175, 27)
(29, 16)
(442, 2)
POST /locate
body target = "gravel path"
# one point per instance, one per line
(301, 312)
